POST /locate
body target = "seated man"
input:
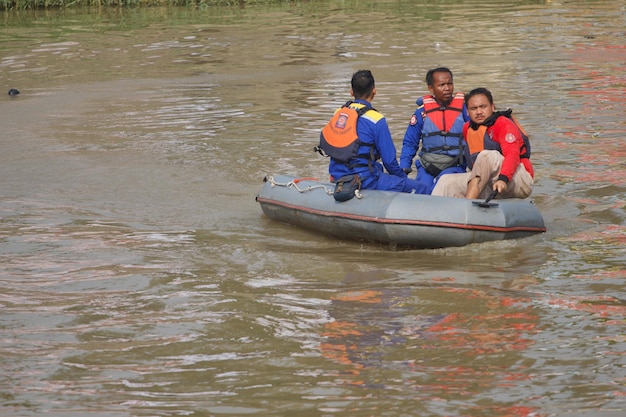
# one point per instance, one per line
(436, 130)
(496, 151)
(358, 153)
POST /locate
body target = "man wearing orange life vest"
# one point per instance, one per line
(374, 144)
(436, 131)
(495, 151)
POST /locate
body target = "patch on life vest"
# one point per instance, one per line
(339, 138)
(413, 121)
(510, 138)
(342, 119)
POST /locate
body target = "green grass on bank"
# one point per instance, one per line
(51, 4)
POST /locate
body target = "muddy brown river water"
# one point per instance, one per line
(139, 277)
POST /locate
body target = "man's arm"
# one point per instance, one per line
(411, 141)
(387, 149)
(510, 140)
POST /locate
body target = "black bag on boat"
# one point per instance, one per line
(346, 187)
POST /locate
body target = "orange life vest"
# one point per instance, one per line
(339, 139)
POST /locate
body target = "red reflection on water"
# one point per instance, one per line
(456, 355)
(617, 274)
(601, 87)
(596, 163)
(610, 234)
(601, 306)
(601, 95)
(486, 333)
(515, 411)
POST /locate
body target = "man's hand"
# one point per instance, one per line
(500, 186)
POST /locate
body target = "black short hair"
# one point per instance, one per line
(362, 83)
(431, 74)
(478, 91)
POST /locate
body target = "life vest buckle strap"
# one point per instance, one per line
(319, 150)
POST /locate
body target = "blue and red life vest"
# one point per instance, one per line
(442, 132)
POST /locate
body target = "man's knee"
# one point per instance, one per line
(451, 185)
(488, 157)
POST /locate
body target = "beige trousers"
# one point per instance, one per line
(487, 168)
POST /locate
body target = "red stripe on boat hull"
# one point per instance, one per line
(401, 221)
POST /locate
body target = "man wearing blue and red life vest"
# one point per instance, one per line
(360, 154)
(497, 152)
(435, 130)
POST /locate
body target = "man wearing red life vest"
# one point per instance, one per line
(495, 151)
(436, 130)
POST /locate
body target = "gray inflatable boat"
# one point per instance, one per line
(408, 220)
